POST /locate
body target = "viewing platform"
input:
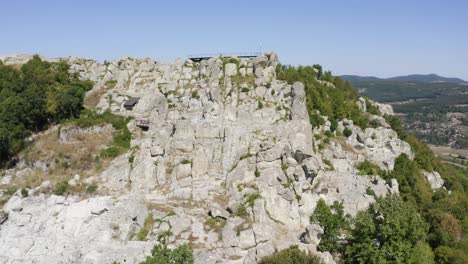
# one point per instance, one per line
(200, 57)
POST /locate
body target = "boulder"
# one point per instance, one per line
(230, 69)
(434, 179)
(312, 234)
(216, 211)
(298, 108)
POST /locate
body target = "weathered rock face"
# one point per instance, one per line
(226, 142)
(434, 179)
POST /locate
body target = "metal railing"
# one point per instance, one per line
(225, 55)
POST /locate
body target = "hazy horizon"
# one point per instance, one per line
(365, 38)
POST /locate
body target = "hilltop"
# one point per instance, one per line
(417, 78)
(233, 160)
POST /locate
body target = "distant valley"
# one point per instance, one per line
(432, 107)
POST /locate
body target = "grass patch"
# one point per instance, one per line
(186, 161)
(216, 223)
(329, 164)
(147, 226)
(246, 156)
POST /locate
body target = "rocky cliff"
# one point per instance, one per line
(229, 164)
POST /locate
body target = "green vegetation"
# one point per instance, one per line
(419, 224)
(333, 221)
(424, 103)
(246, 156)
(61, 188)
(160, 254)
(122, 136)
(336, 103)
(291, 255)
(347, 132)
(390, 231)
(329, 164)
(195, 95)
(92, 188)
(186, 161)
(368, 168)
(216, 223)
(146, 229)
(33, 97)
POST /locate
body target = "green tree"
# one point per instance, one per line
(333, 222)
(388, 232)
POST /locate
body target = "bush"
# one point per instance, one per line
(195, 95)
(110, 152)
(259, 104)
(245, 90)
(368, 168)
(61, 188)
(347, 132)
(92, 188)
(160, 254)
(291, 255)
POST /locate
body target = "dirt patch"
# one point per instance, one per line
(56, 161)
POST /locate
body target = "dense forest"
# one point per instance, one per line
(417, 226)
(32, 97)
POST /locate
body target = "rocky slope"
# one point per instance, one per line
(229, 164)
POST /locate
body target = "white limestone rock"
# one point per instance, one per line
(434, 179)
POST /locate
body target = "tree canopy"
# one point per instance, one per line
(34, 96)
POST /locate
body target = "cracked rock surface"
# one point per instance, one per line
(229, 165)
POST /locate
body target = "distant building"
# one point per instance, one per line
(131, 103)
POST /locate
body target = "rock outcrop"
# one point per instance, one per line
(434, 179)
(227, 142)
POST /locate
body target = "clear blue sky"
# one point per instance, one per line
(368, 37)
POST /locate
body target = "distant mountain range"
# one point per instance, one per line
(419, 78)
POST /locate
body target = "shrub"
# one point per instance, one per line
(347, 132)
(24, 193)
(216, 223)
(61, 188)
(259, 104)
(257, 172)
(316, 120)
(291, 255)
(245, 90)
(368, 168)
(250, 199)
(160, 254)
(195, 95)
(110, 152)
(334, 125)
(92, 188)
